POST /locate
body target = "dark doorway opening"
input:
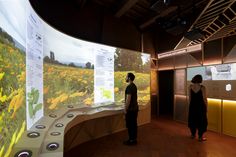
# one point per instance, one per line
(166, 93)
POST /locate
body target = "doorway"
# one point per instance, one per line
(166, 93)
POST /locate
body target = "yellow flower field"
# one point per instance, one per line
(65, 85)
(12, 96)
(142, 81)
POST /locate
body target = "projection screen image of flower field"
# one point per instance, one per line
(68, 71)
(12, 74)
(137, 63)
(71, 72)
(44, 69)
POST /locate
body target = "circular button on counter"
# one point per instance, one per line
(59, 125)
(55, 133)
(40, 126)
(24, 153)
(52, 146)
(33, 134)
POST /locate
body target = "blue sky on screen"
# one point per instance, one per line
(12, 24)
(69, 49)
(66, 48)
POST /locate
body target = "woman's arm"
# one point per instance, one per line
(204, 96)
(189, 93)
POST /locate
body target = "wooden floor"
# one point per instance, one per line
(160, 138)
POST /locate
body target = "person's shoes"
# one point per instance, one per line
(130, 142)
(201, 139)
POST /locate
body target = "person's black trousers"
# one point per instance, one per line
(131, 124)
(200, 131)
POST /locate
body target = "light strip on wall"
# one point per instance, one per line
(180, 96)
(164, 55)
(194, 48)
(180, 51)
(229, 101)
(212, 99)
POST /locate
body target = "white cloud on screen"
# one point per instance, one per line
(12, 24)
(233, 71)
(69, 49)
(66, 48)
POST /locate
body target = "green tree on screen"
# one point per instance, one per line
(88, 65)
(126, 60)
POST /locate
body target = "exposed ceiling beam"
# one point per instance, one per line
(162, 14)
(129, 4)
(184, 42)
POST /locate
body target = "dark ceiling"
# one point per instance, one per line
(188, 21)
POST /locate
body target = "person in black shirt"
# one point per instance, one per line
(131, 109)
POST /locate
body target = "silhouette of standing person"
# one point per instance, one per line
(131, 109)
(197, 118)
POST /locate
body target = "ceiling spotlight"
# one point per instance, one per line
(167, 2)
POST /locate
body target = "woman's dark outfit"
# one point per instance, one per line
(197, 119)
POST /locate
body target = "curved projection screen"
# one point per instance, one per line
(43, 70)
(87, 74)
(12, 73)
(220, 80)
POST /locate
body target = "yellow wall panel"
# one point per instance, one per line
(229, 118)
(214, 114)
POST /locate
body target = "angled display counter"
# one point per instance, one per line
(67, 128)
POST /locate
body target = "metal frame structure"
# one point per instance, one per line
(217, 20)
